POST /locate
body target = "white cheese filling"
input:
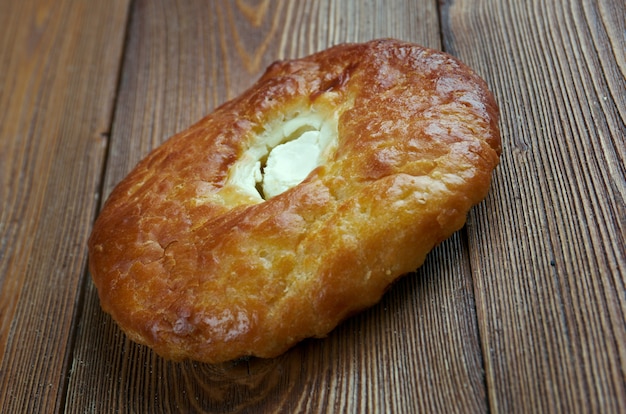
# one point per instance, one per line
(283, 156)
(289, 164)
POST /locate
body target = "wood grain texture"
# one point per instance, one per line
(550, 241)
(183, 58)
(522, 311)
(58, 75)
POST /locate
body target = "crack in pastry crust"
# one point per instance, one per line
(193, 266)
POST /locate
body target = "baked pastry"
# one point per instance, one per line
(296, 204)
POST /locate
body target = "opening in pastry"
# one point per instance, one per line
(285, 154)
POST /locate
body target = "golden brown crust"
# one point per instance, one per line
(190, 266)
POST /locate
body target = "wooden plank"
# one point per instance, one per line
(549, 245)
(59, 62)
(419, 349)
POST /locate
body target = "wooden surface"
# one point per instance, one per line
(524, 310)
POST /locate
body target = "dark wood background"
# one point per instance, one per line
(524, 310)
